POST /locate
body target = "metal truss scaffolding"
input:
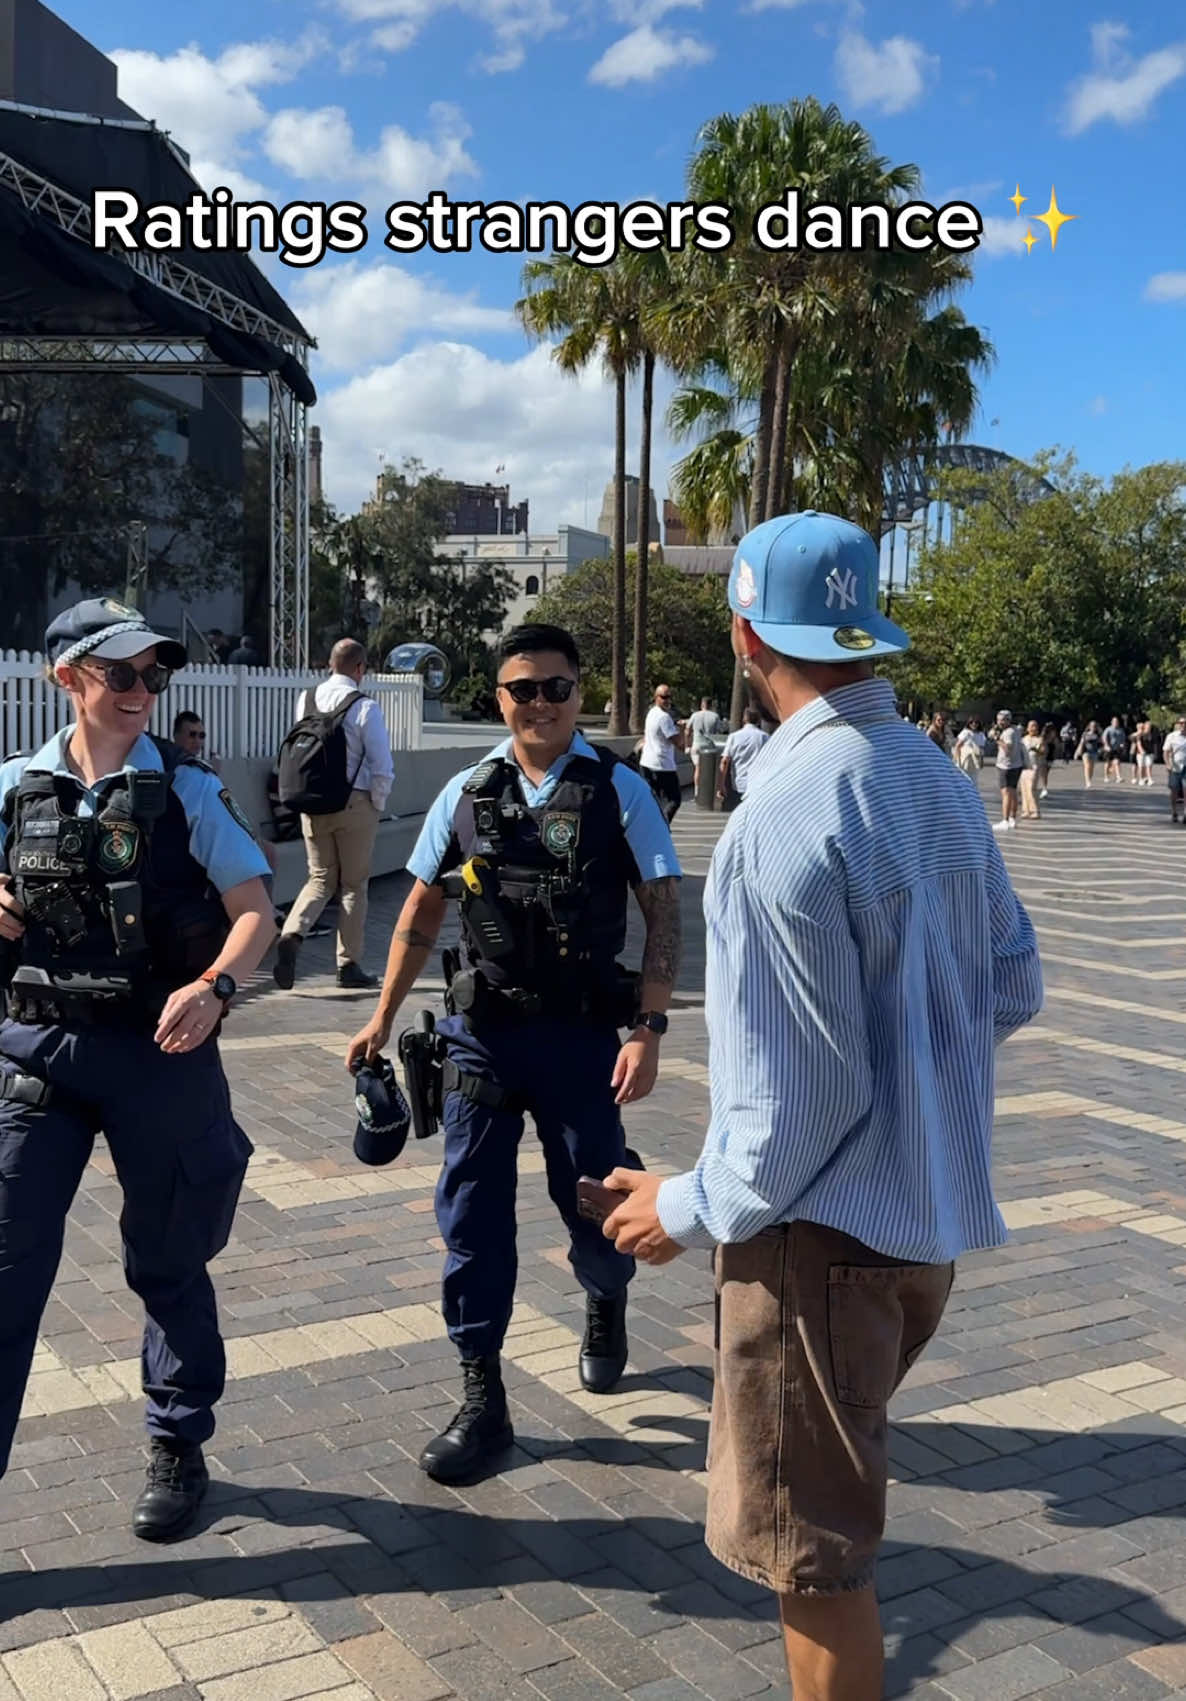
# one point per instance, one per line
(192, 356)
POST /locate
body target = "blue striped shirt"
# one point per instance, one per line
(866, 952)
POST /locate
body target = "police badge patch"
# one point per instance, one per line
(560, 833)
(235, 812)
(363, 1106)
(118, 847)
(113, 607)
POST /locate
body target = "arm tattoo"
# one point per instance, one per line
(659, 902)
(412, 936)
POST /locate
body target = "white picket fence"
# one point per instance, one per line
(246, 710)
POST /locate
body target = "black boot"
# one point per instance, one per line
(173, 1489)
(480, 1430)
(284, 968)
(604, 1349)
(351, 975)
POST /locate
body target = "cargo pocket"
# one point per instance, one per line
(865, 1331)
(211, 1166)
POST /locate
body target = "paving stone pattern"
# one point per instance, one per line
(1036, 1542)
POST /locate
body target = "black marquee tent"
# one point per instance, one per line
(66, 307)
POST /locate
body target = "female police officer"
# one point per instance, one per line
(131, 904)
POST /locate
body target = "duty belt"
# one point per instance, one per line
(70, 1010)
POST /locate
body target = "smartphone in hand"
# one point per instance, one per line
(595, 1201)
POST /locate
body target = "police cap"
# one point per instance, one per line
(109, 631)
(383, 1114)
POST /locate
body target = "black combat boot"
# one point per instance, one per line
(480, 1430)
(173, 1489)
(604, 1349)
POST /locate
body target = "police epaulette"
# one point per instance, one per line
(482, 775)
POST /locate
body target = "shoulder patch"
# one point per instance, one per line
(233, 810)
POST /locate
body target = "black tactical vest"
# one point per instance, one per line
(559, 877)
(116, 899)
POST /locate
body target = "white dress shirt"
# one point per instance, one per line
(368, 749)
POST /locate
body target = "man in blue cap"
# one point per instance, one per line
(866, 952)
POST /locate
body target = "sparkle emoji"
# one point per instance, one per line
(1054, 218)
(1029, 239)
(1017, 198)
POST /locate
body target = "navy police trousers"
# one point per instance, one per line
(180, 1158)
(561, 1072)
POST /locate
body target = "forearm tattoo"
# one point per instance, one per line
(659, 902)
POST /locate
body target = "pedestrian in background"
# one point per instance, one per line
(969, 747)
(741, 750)
(1031, 745)
(339, 845)
(704, 725)
(1010, 767)
(658, 764)
(1089, 748)
(866, 953)
(1174, 753)
(1115, 746)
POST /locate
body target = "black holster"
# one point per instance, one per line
(422, 1051)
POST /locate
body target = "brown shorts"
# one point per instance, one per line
(814, 1331)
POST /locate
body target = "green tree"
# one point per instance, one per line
(391, 546)
(1071, 600)
(79, 462)
(688, 626)
(594, 312)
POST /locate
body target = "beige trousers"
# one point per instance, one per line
(339, 848)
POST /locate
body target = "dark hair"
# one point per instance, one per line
(185, 717)
(533, 638)
(752, 717)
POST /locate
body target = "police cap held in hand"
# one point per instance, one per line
(383, 1114)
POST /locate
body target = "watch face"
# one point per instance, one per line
(224, 987)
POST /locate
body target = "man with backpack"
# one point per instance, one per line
(336, 768)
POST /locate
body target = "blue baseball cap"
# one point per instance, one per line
(109, 631)
(807, 584)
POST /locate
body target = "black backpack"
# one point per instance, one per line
(311, 768)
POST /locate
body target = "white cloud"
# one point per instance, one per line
(1120, 87)
(1166, 286)
(319, 146)
(1003, 234)
(648, 11)
(211, 106)
(464, 412)
(362, 314)
(1097, 406)
(888, 76)
(512, 23)
(645, 54)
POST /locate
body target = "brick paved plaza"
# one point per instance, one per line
(1037, 1534)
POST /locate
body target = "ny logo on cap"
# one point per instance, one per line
(845, 589)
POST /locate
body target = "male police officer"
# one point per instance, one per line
(541, 843)
(131, 901)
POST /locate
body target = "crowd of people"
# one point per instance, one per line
(1025, 760)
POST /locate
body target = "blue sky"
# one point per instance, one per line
(379, 100)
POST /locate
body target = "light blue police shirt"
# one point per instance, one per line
(865, 953)
(217, 842)
(642, 820)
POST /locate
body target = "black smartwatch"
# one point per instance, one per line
(222, 986)
(653, 1020)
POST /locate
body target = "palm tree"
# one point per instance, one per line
(593, 311)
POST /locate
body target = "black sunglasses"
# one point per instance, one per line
(122, 676)
(554, 690)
